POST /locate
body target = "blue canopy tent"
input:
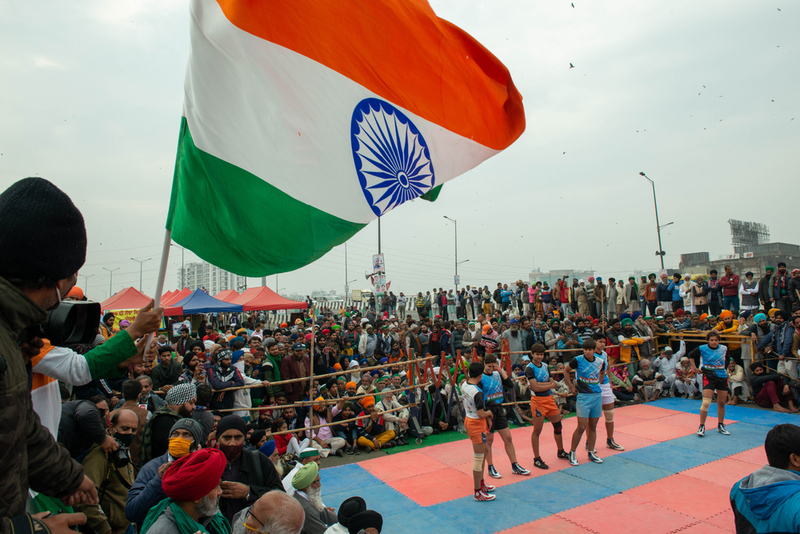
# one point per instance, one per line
(201, 302)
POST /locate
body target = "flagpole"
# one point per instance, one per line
(311, 374)
(162, 273)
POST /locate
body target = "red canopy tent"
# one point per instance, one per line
(264, 299)
(129, 298)
(175, 297)
(229, 295)
(166, 296)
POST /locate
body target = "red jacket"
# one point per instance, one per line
(730, 285)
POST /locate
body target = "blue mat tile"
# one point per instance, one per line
(743, 436)
(743, 414)
(618, 473)
(423, 520)
(557, 492)
(669, 456)
(346, 478)
(507, 511)
(381, 498)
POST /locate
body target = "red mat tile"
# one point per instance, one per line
(688, 421)
(655, 430)
(435, 487)
(690, 496)
(620, 420)
(645, 411)
(703, 528)
(391, 467)
(756, 456)
(452, 453)
(725, 472)
(724, 520)
(626, 513)
(548, 525)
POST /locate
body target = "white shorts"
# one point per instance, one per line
(608, 394)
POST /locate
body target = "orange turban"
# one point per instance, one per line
(351, 383)
(725, 314)
(337, 366)
(704, 317)
(75, 292)
(194, 476)
(367, 401)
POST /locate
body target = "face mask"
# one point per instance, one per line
(125, 439)
(179, 447)
(231, 451)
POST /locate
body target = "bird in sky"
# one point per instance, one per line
(571, 66)
(573, 5)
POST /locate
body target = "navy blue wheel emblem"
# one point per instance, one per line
(392, 159)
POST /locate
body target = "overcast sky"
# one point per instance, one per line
(699, 95)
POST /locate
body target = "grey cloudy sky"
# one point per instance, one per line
(91, 98)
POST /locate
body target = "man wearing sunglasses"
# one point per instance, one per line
(275, 511)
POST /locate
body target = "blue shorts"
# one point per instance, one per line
(590, 405)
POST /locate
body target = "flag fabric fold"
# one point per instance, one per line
(303, 121)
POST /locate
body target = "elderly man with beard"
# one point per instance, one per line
(308, 493)
(192, 487)
(515, 341)
(274, 513)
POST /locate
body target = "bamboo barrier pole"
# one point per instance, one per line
(339, 422)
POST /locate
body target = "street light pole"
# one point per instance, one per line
(110, 279)
(86, 283)
(182, 272)
(455, 262)
(141, 264)
(660, 251)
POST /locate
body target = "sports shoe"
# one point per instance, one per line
(493, 472)
(701, 431)
(562, 454)
(480, 496)
(537, 462)
(722, 430)
(611, 444)
(594, 458)
(519, 470)
(573, 458)
(486, 488)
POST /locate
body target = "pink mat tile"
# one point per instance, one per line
(548, 525)
(756, 456)
(690, 496)
(703, 528)
(452, 453)
(723, 520)
(655, 430)
(645, 411)
(725, 472)
(394, 467)
(435, 487)
(626, 513)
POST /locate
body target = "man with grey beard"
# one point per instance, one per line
(309, 488)
(192, 485)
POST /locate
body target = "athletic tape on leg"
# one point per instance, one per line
(557, 428)
(477, 462)
(706, 403)
(609, 415)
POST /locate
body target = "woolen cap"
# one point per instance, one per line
(42, 233)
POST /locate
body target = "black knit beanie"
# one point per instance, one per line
(42, 233)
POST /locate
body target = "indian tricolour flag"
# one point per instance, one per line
(304, 120)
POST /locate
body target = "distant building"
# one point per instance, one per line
(210, 278)
(754, 258)
(553, 276)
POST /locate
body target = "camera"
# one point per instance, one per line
(120, 457)
(72, 322)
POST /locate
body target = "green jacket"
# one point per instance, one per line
(29, 454)
(112, 487)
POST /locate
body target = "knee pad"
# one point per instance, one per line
(477, 462)
(609, 415)
(706, 403)
(557, 428)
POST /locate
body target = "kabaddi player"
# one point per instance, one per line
(608, 394)
(543, 405)
(713, 358)
(476, 423)
(589, 373)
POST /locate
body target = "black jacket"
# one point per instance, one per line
(81, 425)
(255, 470)
(765, 288)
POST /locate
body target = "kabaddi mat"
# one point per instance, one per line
(667, 479)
